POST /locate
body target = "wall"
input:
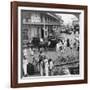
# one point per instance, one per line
(5, 46)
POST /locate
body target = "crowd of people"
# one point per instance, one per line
(63, 44)
(43, 64)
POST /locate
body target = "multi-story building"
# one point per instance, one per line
(39, 24)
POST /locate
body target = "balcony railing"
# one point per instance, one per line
(40, 23)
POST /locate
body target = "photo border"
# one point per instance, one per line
(14, 43)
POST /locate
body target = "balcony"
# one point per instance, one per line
(29, 22)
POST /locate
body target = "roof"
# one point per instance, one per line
(54, 16)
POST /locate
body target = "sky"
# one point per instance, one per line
(67, 18)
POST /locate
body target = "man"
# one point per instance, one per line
(59, 48)
(51, 65)
(41, 63)
(25, 62)
(46, 71)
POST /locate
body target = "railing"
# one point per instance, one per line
(69, 64)
(40, 23)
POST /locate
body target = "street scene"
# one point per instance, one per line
(49, 43)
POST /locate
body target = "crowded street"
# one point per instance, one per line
(50, 44)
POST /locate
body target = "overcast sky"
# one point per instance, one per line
(67, 18)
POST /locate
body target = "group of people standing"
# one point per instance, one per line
(43, 64)
(46, 65)
(71, 43)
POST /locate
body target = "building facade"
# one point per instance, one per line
(39, 24)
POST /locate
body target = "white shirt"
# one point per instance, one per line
(51, 65)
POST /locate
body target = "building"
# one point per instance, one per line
(39, 24)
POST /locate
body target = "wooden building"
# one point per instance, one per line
(39, 24)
